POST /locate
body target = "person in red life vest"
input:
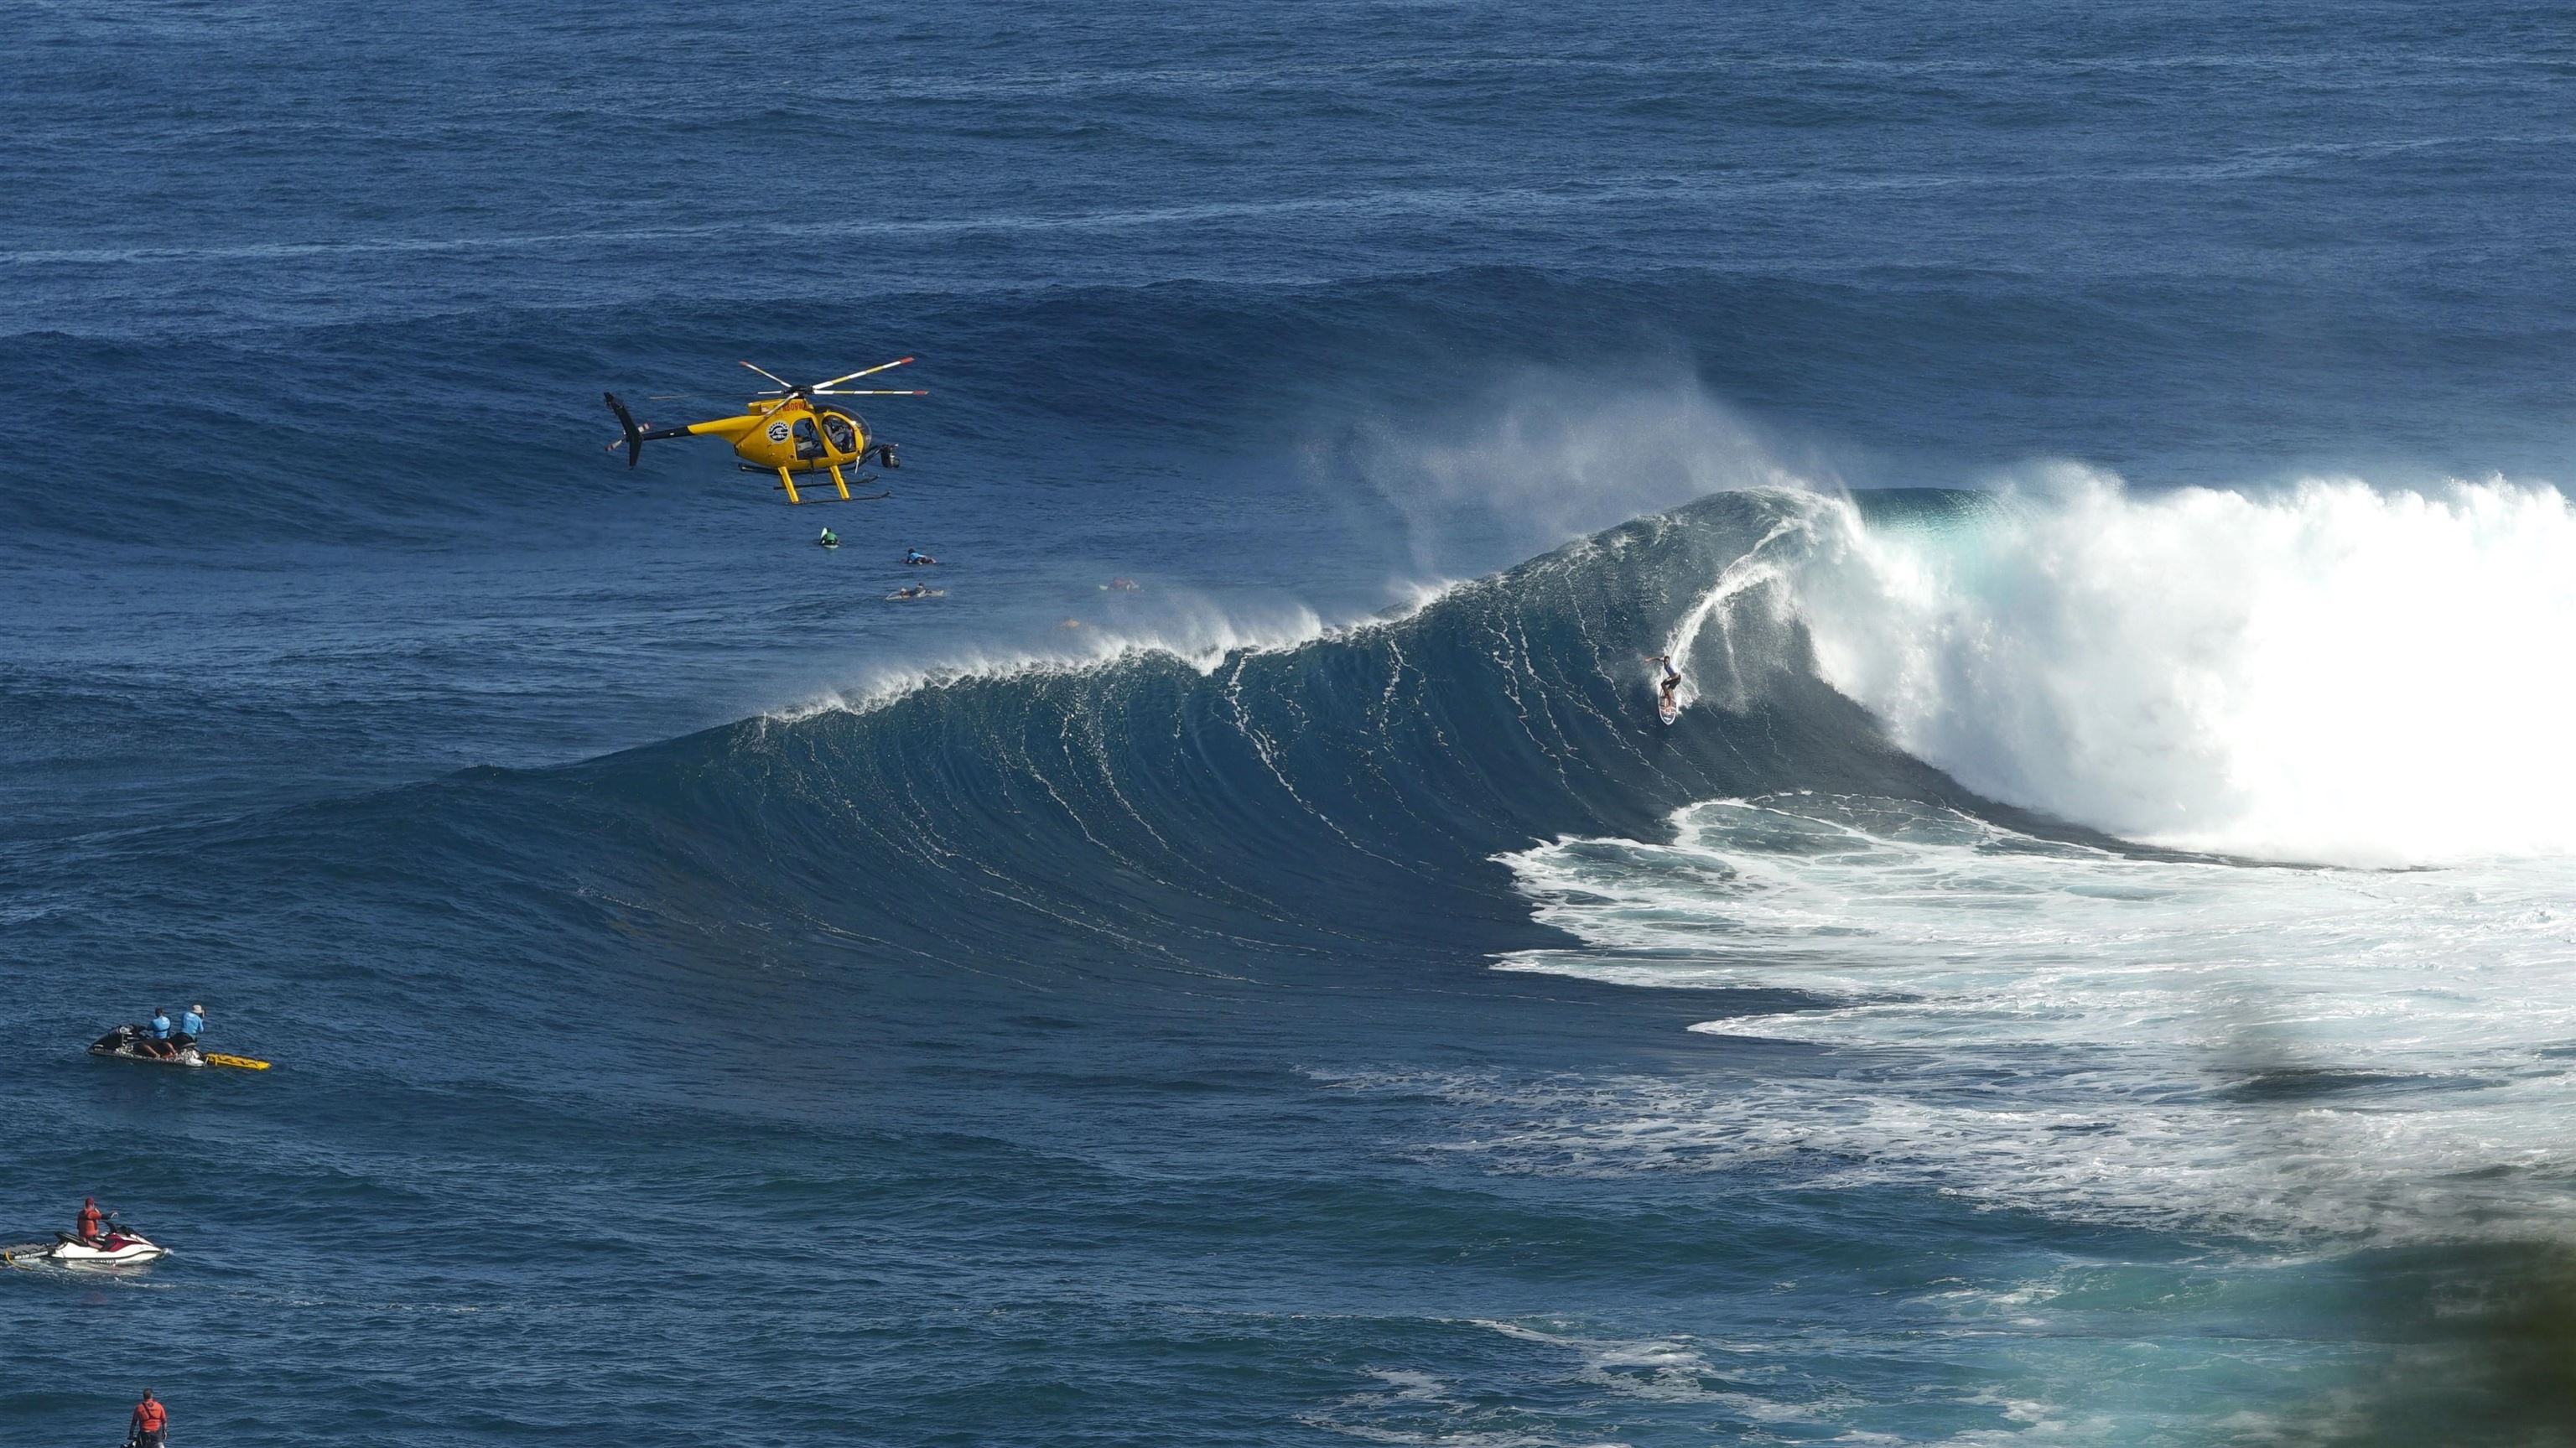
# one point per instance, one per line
(90, 1223)
(150, 1418)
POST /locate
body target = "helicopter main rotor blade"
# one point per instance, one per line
(772, 376)
(863, 372)
(869, 392)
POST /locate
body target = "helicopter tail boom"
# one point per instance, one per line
(637, 436)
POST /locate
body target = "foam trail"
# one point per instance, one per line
(1755, 568)
(2329, 673)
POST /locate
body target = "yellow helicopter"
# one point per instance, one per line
(789, 436)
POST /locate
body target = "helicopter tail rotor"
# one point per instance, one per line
(636, 434)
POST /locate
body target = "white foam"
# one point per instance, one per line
(1755, 569)
(2063, 1029)
(2329, 672)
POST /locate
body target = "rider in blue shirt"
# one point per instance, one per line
(160, 1026)
(192, 1024)
(157, 1034)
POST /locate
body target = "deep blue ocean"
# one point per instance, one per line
(2094, 962)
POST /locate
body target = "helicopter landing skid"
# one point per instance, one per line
(840, 485)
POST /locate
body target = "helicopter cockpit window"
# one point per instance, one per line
(808, 445)
(844, 437)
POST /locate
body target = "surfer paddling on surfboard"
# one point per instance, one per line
(1668, 704)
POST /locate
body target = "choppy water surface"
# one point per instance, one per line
(2087, 966)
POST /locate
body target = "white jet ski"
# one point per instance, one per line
(116, 1248)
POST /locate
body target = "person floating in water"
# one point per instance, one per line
(829, 539)
(914, 558)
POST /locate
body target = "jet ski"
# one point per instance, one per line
(133, 1043)
(116, 1247)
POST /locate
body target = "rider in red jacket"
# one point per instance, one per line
(150, 1418)
(89, 1223)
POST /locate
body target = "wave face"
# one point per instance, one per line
(1154, 805)
(1336, 800)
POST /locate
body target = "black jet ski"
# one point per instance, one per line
(133, 1043)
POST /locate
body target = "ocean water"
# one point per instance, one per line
(2091, 964)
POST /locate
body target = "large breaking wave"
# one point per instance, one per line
(1343, 793)
(2330, 673)
(2028, 1018)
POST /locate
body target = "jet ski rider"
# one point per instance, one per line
(90, 1227)
(158, 1032)
(192, 1024)
(150, 1421)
